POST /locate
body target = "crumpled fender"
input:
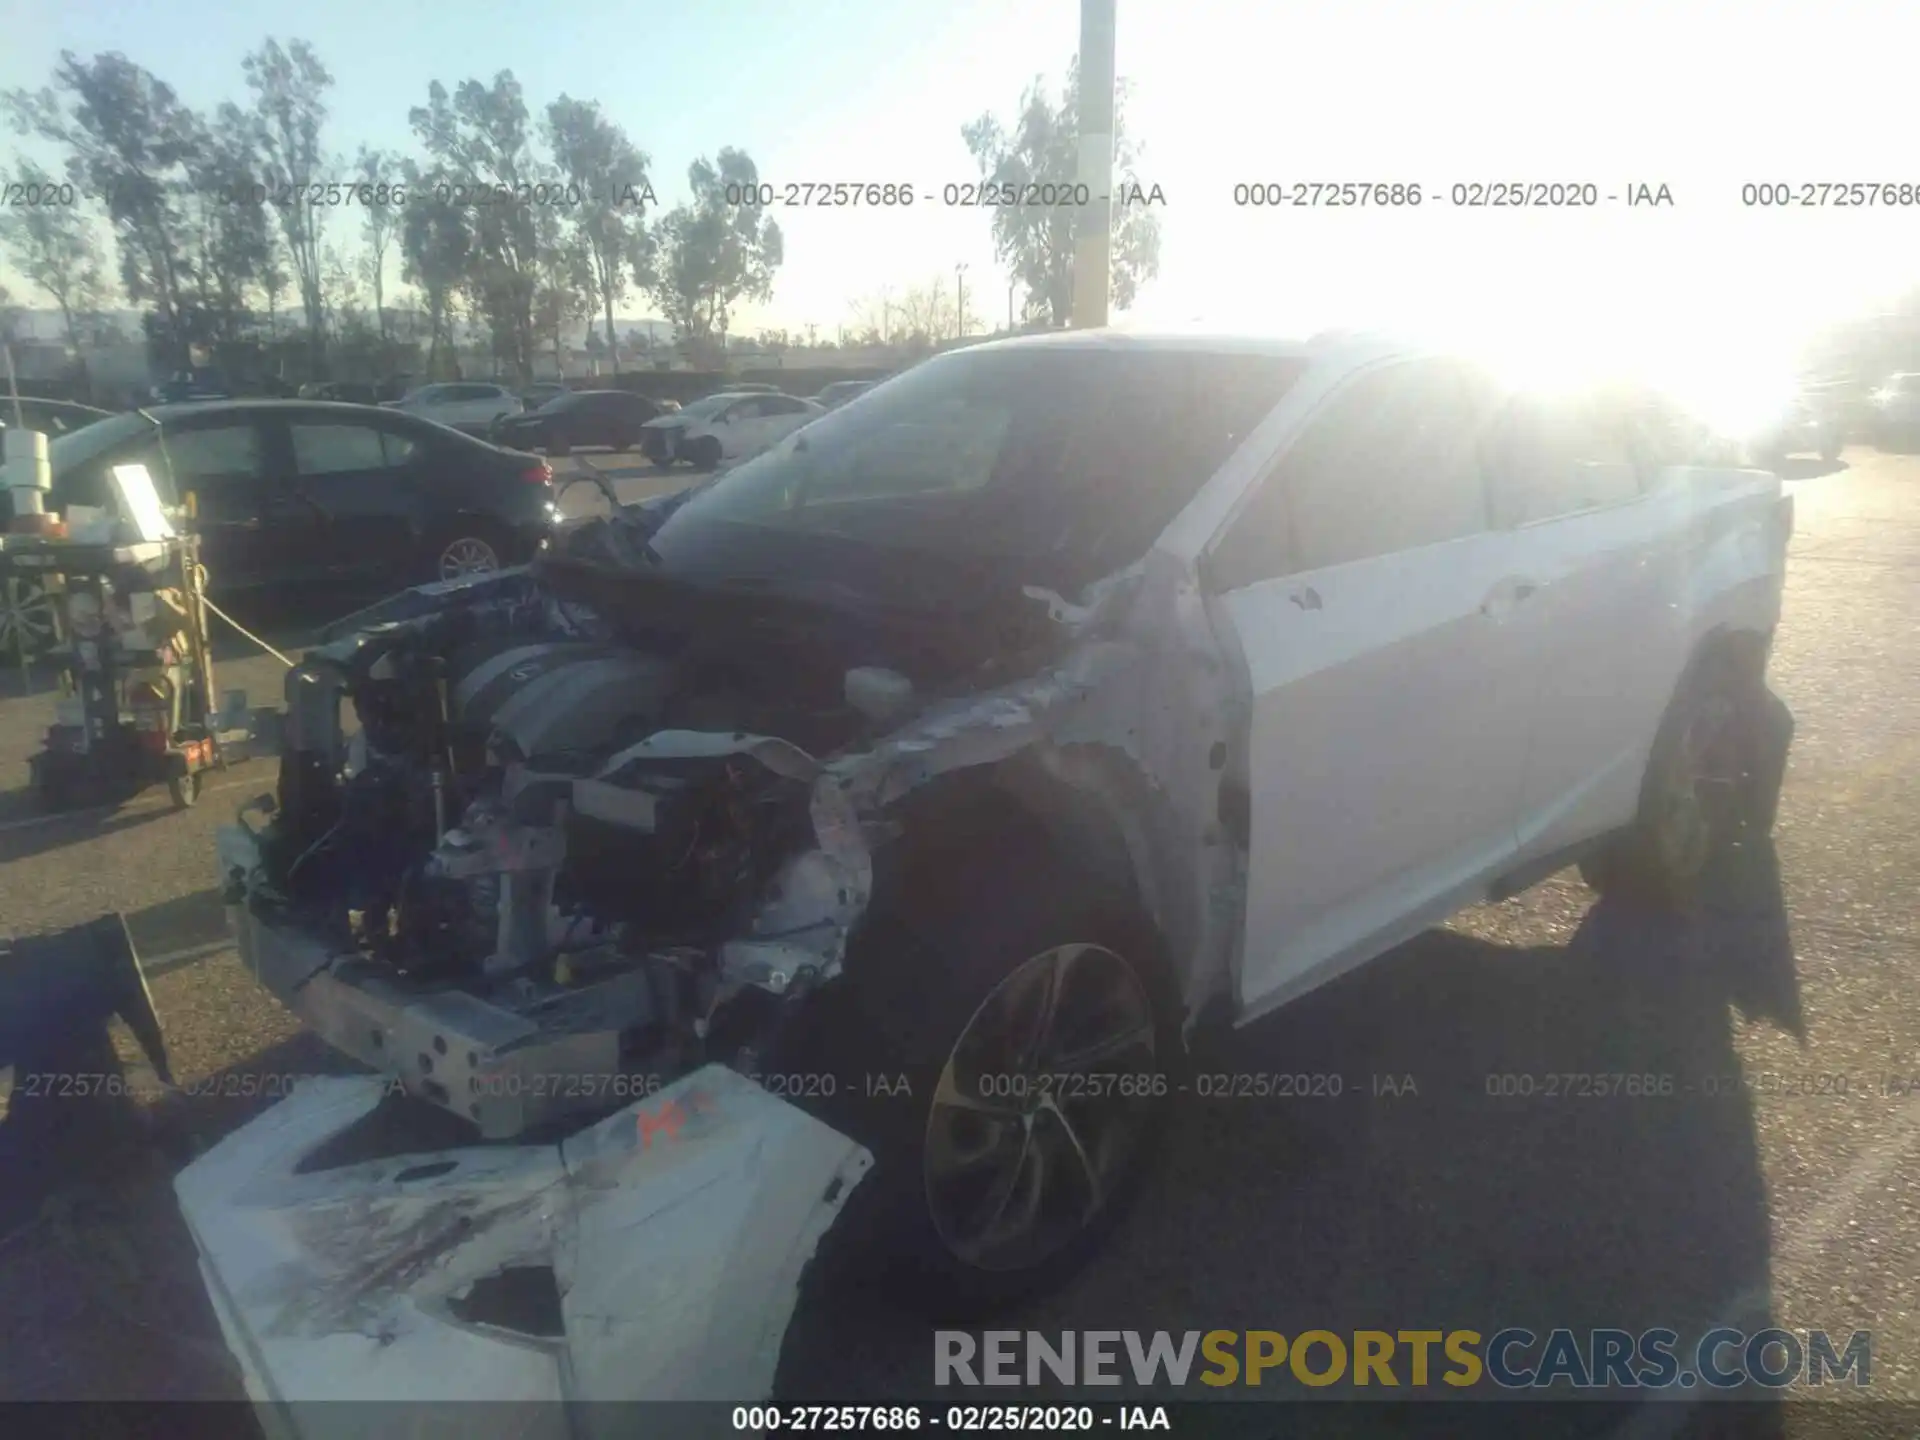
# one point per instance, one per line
(672, 1235)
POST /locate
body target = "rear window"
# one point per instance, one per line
(1069, 455)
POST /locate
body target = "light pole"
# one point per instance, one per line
(1011, 284)
(1093, 244)
(960, 301)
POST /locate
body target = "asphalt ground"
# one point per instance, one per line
(1775, 1184)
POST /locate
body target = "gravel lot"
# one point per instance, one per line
(1439, 1209)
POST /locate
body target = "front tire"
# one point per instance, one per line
(1034, 1023)
(704, 453)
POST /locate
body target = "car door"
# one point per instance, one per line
(782, 415)
(738, 426)
(1570, 478)
(1375, 610)
(490, 403)
(220, 469)
(464, 408)
(356, 483)
(602, 418)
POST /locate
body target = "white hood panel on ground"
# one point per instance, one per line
(676, 1231)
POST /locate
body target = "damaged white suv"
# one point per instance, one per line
(915, 791)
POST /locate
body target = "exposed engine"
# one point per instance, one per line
(524, 824)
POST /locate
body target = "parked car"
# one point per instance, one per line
(286, 492)
(468, 405)
(205, 383)
(840, 392)
(1896, 411)
(50, 417)
(534, 396)
(727, 426)
(1065, 696)
(347, 392)
(612, 418)
(1809, 425)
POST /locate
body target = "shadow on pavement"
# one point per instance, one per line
(70, 827)
(1810, 469)
(1497, 1188)
(1460, 1202)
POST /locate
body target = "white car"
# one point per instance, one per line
(1060, 698)
(468, 405)
(733, 425)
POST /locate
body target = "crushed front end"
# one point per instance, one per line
(552, 854)
(520, 885)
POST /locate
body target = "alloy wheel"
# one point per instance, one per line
(27, 622)
(466, 556)
(1042, 1104)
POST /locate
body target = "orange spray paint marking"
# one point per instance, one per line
(670, 1115)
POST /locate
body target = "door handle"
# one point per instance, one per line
(1307, 599)
(1507, 594)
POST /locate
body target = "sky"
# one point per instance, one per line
(1697, 95)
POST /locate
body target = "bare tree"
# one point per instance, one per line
(289, 100)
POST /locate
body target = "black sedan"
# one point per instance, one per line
(580, 417)
(286, 492)
(49, 417)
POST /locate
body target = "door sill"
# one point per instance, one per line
(1534, 871)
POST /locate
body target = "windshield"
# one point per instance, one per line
(1072, 458)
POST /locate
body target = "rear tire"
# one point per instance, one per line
(993, 978)
(1715, 773)
(558, 443)
(463, 549)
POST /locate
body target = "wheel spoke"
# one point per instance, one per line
(1039, 1027)
(991, 1214)
(1100, 1052)
(1096, 1190)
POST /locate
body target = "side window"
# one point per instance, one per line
(781, 405)
(335, 449)
(223, 452)
(1392, 464)
(1559, 457)
(745, 410)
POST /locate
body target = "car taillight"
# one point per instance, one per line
(541, 474)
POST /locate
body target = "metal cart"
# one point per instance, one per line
(136, 693)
